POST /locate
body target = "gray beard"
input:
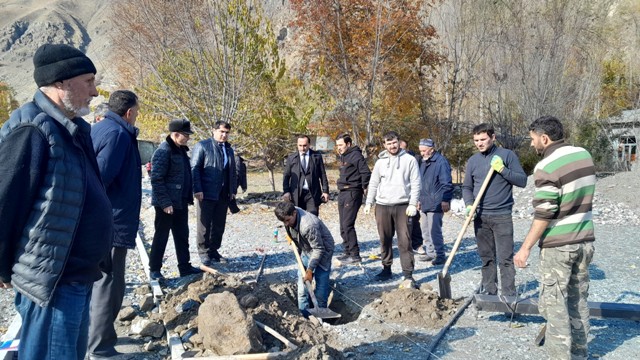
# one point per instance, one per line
(68, 107)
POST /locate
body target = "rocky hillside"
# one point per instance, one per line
(26, 24)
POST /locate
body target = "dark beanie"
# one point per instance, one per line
(57, 62)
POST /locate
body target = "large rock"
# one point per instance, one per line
(225, 328)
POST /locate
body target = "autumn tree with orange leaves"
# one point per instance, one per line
(371, 58)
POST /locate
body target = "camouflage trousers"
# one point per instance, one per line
(564, 289)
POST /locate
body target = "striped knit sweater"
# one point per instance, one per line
(565, 183)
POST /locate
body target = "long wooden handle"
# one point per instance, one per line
(277, 335)
(472, 213)
(312, 295)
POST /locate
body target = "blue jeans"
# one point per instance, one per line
(322, 287)
(58, 331)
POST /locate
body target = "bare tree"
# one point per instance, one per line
(193, 59)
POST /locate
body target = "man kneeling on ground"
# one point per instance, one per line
(315, 245)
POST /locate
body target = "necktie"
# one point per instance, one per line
(304, 162)
(224, 153)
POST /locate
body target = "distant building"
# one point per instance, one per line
(626, 131)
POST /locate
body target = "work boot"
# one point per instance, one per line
(439, 260)
(190, 271)
(156, 275)
(384, 275)
(216, 257)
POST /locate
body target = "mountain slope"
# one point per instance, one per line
(27, 24)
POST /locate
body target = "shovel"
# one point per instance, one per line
(254, 279)
(444, 279)
(322, 313)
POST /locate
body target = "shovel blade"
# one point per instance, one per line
(444, 286)
(324, 313)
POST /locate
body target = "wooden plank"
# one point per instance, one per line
(261, 356)
(12, 333)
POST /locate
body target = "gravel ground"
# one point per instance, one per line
(360, 334)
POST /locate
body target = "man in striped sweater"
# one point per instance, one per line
(565, 184)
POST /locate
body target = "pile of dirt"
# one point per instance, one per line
(273, 305)
(412, 307)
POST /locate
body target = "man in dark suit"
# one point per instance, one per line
(305, 179)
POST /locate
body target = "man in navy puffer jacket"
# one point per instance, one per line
(171, 195)
(116, 147)
(55, 217)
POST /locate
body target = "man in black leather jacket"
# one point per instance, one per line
(171, 194)
(215, 184)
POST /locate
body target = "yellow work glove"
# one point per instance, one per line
(497, 164)
(367, 209)
(308, 275)
(289, 240)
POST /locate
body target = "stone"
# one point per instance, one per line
(127, 313)
(146, 304)
(190, 304)
(145, 327)
(143, 289)
(225, 327)
(249, 301)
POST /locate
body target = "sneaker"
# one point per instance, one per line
(439, 260)
(351, 260)
(190, 271)
(408, 283)
(426, 257)
(384, 275)
(156, 275)
(342, 257)
(421, 251)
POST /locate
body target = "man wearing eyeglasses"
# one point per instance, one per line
(215, 184)
(171, 195)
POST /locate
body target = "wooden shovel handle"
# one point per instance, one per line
(312, 295)
(472, 213)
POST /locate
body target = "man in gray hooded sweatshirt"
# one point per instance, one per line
(395, 187)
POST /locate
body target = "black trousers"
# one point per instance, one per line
(494, 234)
(106, 302)
(349, 202)
(212, 218)
(307, 203)
(416, 232)
(178, 224)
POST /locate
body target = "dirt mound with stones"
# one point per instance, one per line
(189, 307)
(413, 307)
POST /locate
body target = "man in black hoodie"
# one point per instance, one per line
(352, 183)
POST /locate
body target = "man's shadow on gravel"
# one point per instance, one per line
(609, 334)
